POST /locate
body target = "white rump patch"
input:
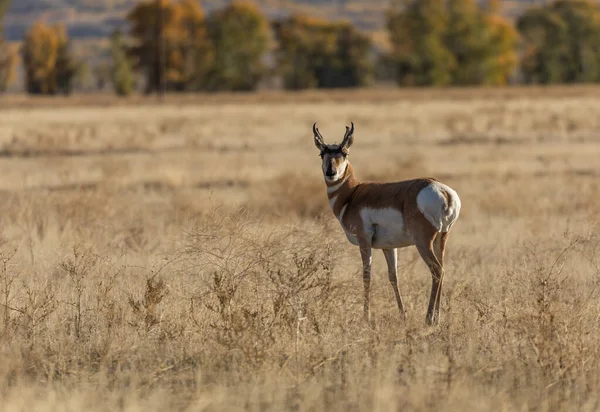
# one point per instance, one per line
(432, 203)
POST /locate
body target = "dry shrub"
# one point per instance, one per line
(146, 308)
(259, 285)
(532, 329)
(293, 194)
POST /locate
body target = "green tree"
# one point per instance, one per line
(67, 68)
(544, 40)
(562, 42)
(300, 38)
(317, 53)
(418, 49)
(354, 67)
(7, 56)
(240, 35)
(467, 41)
(121, 71)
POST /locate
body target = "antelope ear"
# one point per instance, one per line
(318, 138)
(348, 138)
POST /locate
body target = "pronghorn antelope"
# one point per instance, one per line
(389, 216)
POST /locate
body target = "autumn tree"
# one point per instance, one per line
(240, 36)
(317, 53)
(562, 43)
(7, 55)
(121, 71)
(501, 57)
(171, 46)
(197, 50)
(49, 65)
(459, 42)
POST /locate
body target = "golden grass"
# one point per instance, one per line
(182, 256)
(380, 93)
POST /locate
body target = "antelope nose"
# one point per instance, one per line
(330, 172)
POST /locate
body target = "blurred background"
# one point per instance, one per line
(127, 46)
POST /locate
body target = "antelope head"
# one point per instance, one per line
(334, 156)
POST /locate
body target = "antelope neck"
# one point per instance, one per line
(340, 191)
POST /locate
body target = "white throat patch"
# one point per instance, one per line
(331, 189)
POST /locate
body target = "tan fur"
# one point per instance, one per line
(351, 199)
(398, 195)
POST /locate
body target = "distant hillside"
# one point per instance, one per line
(96, 18)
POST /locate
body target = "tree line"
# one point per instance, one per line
(173, 45)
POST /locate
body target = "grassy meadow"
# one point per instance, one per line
(182, 256)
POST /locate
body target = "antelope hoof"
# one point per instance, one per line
(431, 320)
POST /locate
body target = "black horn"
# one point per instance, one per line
(317, 133)
(318, 138)
(348, 137)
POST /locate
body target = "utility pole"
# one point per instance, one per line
(160, 58)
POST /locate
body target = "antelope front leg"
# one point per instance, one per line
(391, 257)
(365, 254)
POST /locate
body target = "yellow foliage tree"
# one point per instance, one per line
(49, 66)
(502, 57)
(171, 45)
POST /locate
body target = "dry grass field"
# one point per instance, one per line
(183, 256)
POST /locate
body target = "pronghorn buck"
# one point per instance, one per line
(389, 216)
